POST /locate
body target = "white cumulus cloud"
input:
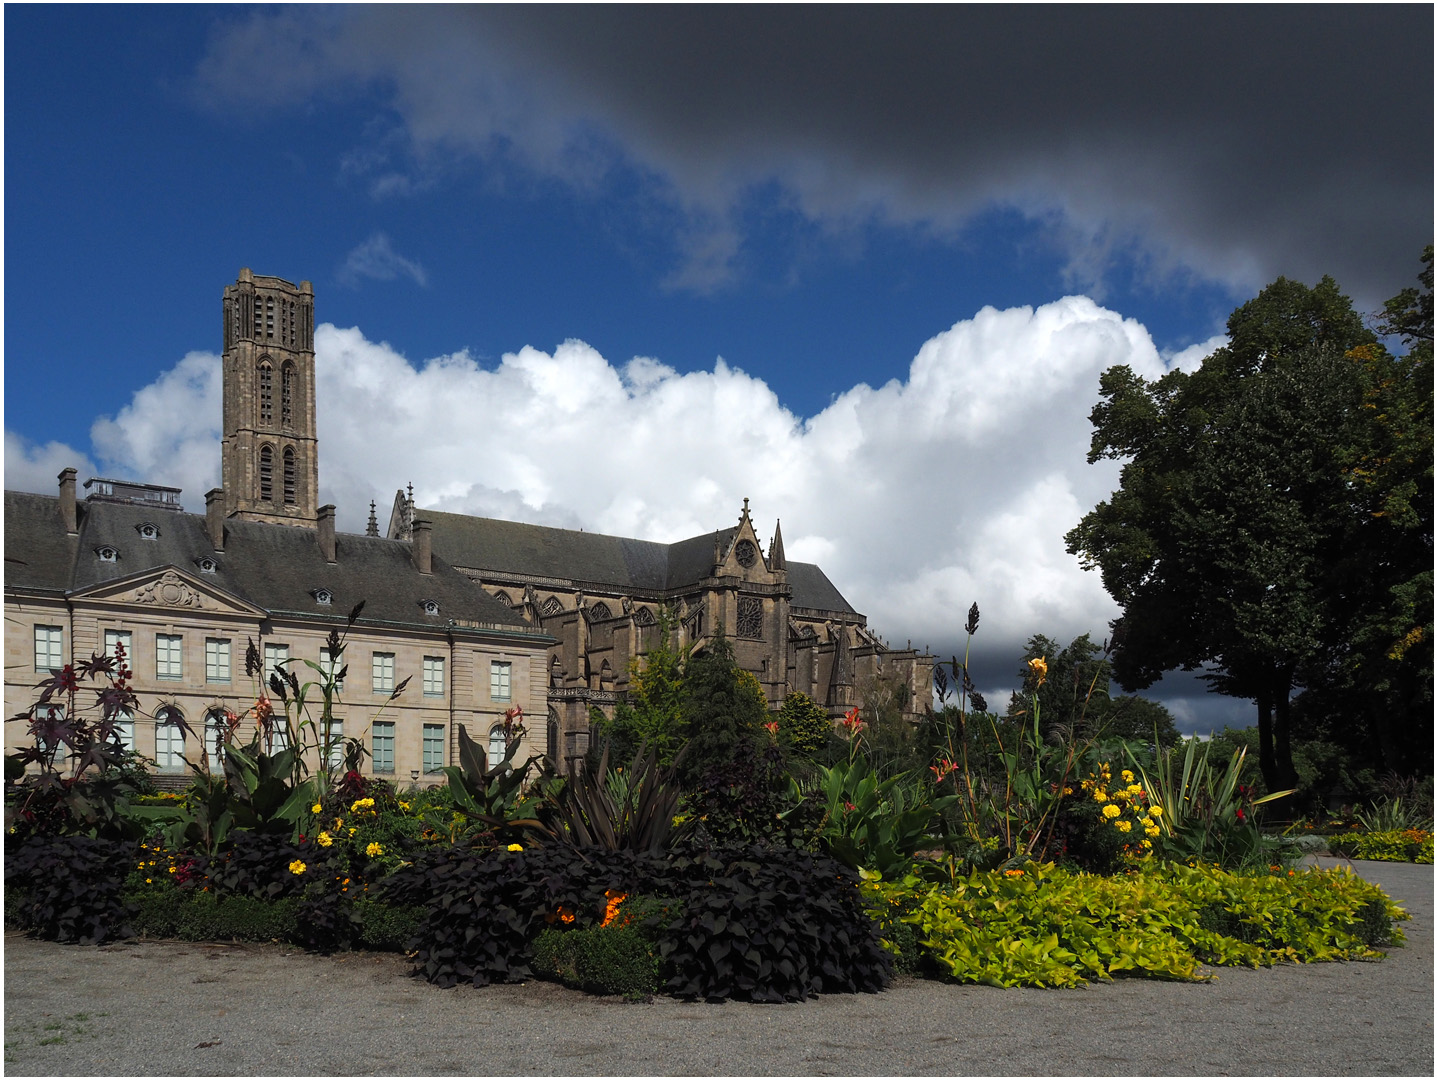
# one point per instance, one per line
(917, 498)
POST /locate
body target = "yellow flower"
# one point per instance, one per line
(1155, 810)
(1100, 795)
(324, 839)
(316, 808)
(1152, 830)
(374, 850)
(404, 806)
(172, 869)
(1127, 776)
(1147, 843)
(361, 804)
(297, 867)
(1038, 669)
(1111, 811)
(353, 829)
(515, 847)
(1123, 826)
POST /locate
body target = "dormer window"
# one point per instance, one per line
(107, 554)
(323, 596)
(147, 531)
(208, 566)
(430, 607)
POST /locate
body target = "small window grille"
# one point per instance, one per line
(286, 395)
(266, 473)
(289, 475)
(266, 393)
(431, 608)
(323, 596)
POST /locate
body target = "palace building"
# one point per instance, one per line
(480, 615)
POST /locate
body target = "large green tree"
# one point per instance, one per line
(1234, 502)
(652, 713)
(720, 710)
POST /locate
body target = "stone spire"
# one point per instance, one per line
(373, 527)
(776, 560)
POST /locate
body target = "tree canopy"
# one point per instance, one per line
(1266, 512)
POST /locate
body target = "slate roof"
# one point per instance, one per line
(621, 563)
(275, 567)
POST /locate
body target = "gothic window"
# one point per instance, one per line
(644, 617)
(269, 317)
(746, 553)
(552, 747)
(552, 606)
(266, 393)
(750, 617)
(286, 394)
(503, 598)
(696, 624)
(600, 611)
(556, 672)
(266, 473)
(606, 676)
(258, 319)
(289, 476)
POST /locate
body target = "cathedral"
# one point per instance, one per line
(483, 615)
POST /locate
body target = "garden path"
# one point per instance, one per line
(181, 1009)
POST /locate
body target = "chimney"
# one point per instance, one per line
(215, 516)
(421, 548)
(326, 531)
(67, 501)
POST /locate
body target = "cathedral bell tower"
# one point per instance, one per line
(270, 450)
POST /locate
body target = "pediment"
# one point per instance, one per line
(168, 587)
(744, 555)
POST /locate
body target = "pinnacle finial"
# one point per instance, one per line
(372, 529)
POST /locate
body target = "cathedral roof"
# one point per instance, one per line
(624, 564)
(275, 567)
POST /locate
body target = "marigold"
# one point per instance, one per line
(1111, 811)
(374, 850)
(361, 804)
(316, 808)
(297, 867)
(324, 839)
(1155, 810)
(611, 910)
(1100, 795)
(1123, 826)
(515, 847)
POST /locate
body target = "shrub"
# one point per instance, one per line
(194, 915)
(387, 927)
(1406, 845)
(767, 924)
(68, 888)
(600, 959)
(1042, 926)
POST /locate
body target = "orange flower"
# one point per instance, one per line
(611, 910)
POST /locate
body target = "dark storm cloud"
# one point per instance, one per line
(1239, 142)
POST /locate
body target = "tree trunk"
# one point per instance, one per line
(1266, 759)
(1282, 741)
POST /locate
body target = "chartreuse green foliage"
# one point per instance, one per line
(1040, 926)
(804, 723)
(1395, 845)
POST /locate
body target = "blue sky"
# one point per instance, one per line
(816, 196)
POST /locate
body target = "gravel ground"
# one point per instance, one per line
(155, 1008)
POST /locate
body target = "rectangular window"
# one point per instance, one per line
(327, 665)
(433, 747)
(48, 651)
(168, 651)
(217, 659)
(115, 638)
(383, 748)
(384, 673)
(334, 734)
(434, 676)
(499, 685)
(275, 659)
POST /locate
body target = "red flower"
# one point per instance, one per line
(1240, 815)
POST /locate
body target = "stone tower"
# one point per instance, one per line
(270, 449)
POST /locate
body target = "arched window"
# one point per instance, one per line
(169, 740)
(600, 611)
(216, 728)
(286, 394)
(266, 393)
(503, 598)
(496, 745)
(553, 743)
(551, 606)
(266, 473)
(644, 617)
(289, 476)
